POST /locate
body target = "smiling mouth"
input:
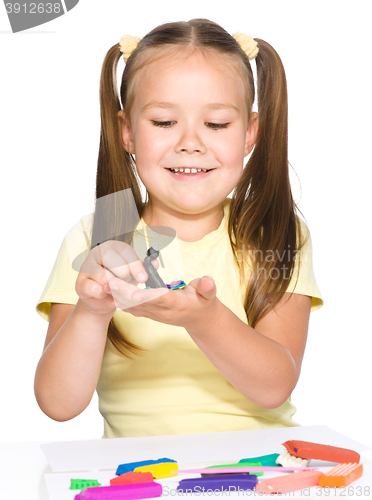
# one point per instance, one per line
(189, 171)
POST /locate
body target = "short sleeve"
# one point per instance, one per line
(74, 249)
(303, 280)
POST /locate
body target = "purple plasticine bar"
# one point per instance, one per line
(176, 284)
(289, 482)
(232, 482)
(121, 492)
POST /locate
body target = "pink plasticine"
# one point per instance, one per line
(295, 481)
(224, 470)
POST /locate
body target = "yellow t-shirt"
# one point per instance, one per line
(171, 387)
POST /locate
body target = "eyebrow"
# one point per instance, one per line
(170, 105)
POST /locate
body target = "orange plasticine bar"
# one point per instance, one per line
(132, 477)
(289, 482)
(303, 449)
(341, 475)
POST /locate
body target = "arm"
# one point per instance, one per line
(263, 363)
(68, 370)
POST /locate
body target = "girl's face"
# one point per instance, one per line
(189, 113)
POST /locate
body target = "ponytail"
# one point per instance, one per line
(262, 215)
(115, 172)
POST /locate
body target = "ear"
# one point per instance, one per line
(251, 136)
(125, 131)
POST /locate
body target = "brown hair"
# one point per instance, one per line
(262, 211)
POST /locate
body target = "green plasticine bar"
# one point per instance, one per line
(265, 460)
(79, 484)
(240, 464)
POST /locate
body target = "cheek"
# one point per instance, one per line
(232, 150)
(149, 146)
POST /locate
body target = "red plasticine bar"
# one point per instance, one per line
(303, 449)
(132, 478)
(341, 475)
(121, 492)
(294, 481)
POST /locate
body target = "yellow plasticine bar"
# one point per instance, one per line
(159, 470)
(341, 475)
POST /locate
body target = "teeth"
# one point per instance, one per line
(188, 171)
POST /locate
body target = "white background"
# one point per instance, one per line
(49, 133)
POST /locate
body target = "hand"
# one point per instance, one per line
(188, 307)
(111, 260)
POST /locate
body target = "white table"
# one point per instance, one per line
(23, 465)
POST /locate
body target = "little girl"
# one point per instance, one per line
(224, 352)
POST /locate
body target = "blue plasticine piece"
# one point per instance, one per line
(172, 286)
(129, 467)
(221, 482)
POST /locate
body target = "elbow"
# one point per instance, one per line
(55, 416)
(277, 393)
(281, 386)
(54, 407)
(275, 402)
(53, 411)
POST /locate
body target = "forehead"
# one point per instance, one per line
(191, 74)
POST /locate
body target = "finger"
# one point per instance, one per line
(155, 263)
(205, 286)
(123, 262)
(88, 288)
(116, 258)
(123, 293)
(155, 295)
(92, 269)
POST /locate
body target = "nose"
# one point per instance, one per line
(190, 142)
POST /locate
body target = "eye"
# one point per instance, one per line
(163, 124)
(217, 126)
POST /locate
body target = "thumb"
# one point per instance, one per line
(206, 287)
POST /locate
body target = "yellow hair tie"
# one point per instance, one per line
(127, 45)
(247, 44)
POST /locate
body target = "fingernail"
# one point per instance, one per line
(142, 277)
(114, 287)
